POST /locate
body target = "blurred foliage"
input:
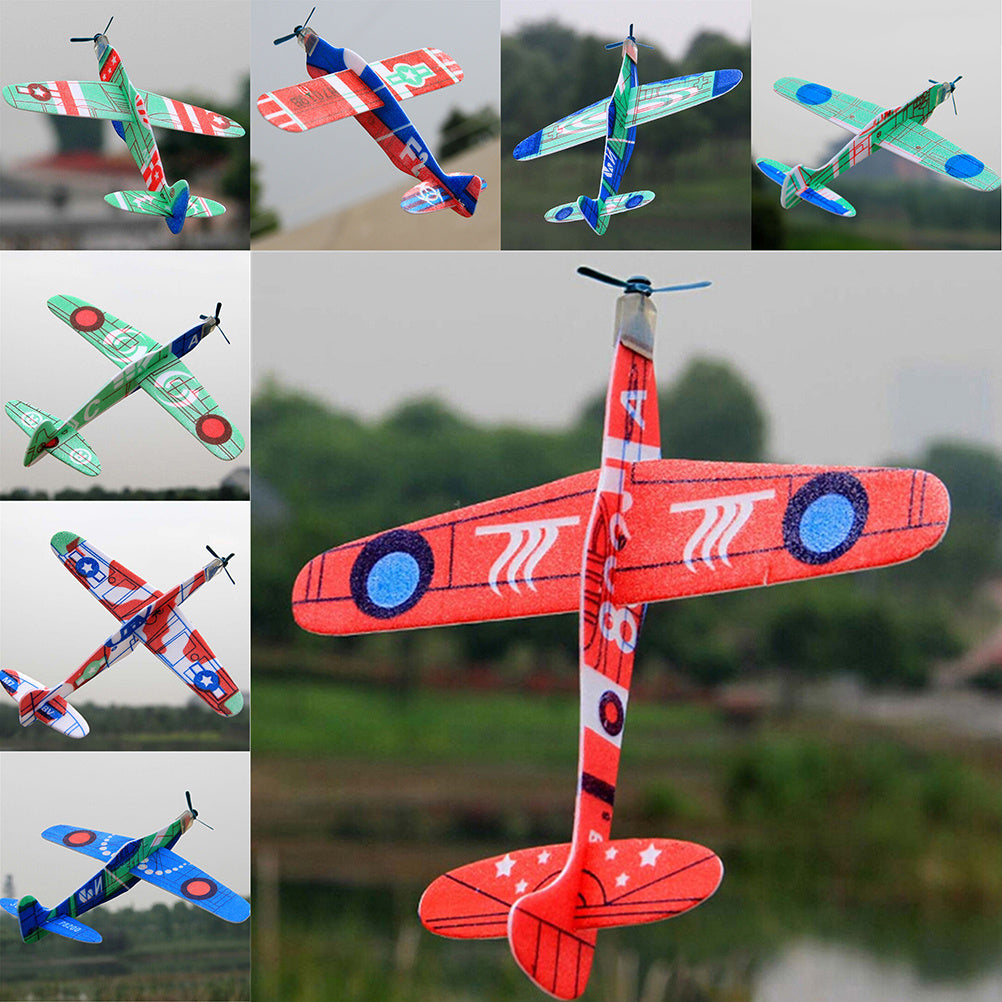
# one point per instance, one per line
(460, 130)
(226, 492)
(323, 477)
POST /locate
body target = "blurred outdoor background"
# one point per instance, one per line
(838, 743)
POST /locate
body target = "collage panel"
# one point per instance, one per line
(182, 931)
(322, 184)
(183, 182)
(417, 751)
(903, 162)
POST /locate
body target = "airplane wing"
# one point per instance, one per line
(189, 403)
(170, 872)
(418, 72)
(317, 101)
(696, 528)
(83, 98)
(923, 146)
(118, 589)
(849, 112)
(114, 338)
(656, 100)
(98, 845)
(168, 113)
(572, 130)
(169, 636)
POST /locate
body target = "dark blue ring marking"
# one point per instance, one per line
(211, 888)
(963, 165)
(610, 713)
(812, 93)
(392, 573)
(78, 837)
(825, 518)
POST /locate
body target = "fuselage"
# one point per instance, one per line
(127, 381)
(620, 135)
(116, 877)
(389, 125)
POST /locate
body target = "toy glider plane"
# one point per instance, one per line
(343, 84)
(148, 617)
(617, 119)
(134, 114)
(125, 861)
(639, 529)
(900, 130)
(145, 364)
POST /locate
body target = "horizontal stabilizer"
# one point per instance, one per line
(622, 882)
(70, 448)
(54, 712)
(36, 922)
(796, 185)
(429, 196)
(149, 203)
(570, 212)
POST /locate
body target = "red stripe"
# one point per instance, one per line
(181, 109)
(68, 101)
(204, 120)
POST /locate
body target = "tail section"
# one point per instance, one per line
(49, 437)
(571, 212)
(35, 702)
(551, 924)
(797, 186)
(175, 204)
(37, 922)
(460, 195)
(592, 213)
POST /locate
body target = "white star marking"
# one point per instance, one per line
(650, 855)
(521, 887)
(543, 857)
(621, 880)
(611, 852)
(504, 866)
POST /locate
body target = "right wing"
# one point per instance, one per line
(842, 109)
(579, 127)
(655, 100)
(82, 98)
(114, 338)
(170, 872)
(98, 845)
(169, 113)
(694, 528)
(118, 589)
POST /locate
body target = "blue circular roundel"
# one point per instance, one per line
(391, 573)
(825, 518)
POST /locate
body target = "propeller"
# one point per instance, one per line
(194, 813)
(295, 34)
(215, 321)
(637, 283)
(225, 561)
(953, 86)
(616, 45)
(94, 38)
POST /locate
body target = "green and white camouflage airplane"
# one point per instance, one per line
(133, 113)
(900, 130)
(145, 364)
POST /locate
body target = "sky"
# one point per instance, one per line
(337, 165)
(127, 794)
(211, 58)
(856, 357)
(49, 365)
(671, 25)
(879, 51)
(49, 625)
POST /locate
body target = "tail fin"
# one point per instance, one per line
(797, 186)
(592, 214)
(460, 195)
(37, 922)
(551, 917)
(70, 448)
(571, 212)
(175, 204)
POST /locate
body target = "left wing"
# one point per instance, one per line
(98, 845)
(170, 872)
(317, 101)
(923, 146)
(668, 96)
(572, 130)
(81, 98)
(114, 338)
(841, 109)
(168, 113)
(189, 403)
(122, 592)
(695, 528)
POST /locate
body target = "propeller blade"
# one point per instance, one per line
(284, 38)
(194, 813)
(223, 560)
(598, 276)
(308, 16)
(682, 288)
